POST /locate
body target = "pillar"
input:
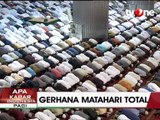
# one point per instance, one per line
(90, 18)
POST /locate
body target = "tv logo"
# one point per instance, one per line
(139, 12)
